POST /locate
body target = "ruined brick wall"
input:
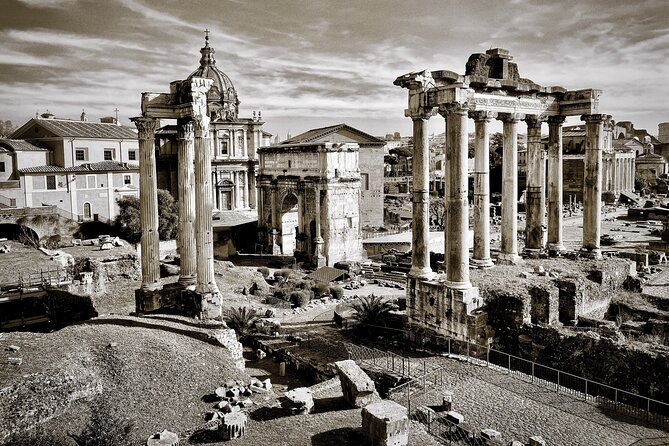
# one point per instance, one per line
(341, 229)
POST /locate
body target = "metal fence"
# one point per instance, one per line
(422, 376)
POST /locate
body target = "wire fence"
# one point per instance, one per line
(423, 376)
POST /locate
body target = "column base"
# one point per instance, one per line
(320, 261)
(509, 259)
(275, 250)
(556, 247)
(470, 297)
(210, 305)
(591, 253)
(482, 263)
(458, 285)
(425, 273)
(534, 253)
(188, 282)
(150, 287)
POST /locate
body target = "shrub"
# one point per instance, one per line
(321, 289)
(372, 310)
(264, 271)
(304, 284)
(337, 292)
(299, 298)
(241, 319)
(281, 293)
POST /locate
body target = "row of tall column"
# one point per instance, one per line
(624, 174)
(456, 190)
(195, 237)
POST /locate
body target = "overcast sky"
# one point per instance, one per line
(319, 62)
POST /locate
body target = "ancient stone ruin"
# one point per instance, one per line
(492, 88)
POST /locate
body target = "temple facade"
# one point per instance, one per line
(492, 88)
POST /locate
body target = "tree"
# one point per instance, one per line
(6, 128)
(127, 222)
(372, 310)
(437, 212)
(642, 185)
(241, 319)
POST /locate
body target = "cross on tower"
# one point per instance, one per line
(206, 35)
(116, 113)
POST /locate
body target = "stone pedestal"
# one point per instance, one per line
(358, 388)
(233, 425)
(385, 424)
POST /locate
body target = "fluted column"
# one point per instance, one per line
(555, 242)
(319, 258)
(457, 272)
(592, 187)
(186, 180)
(420, 255)
(148, 204)
(509, 248)
(203, 208)
(253, 200)
(535, 197)
(276, 224)
(482, 190)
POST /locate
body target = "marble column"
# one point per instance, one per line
(276, 224)
(482, 190)
(420, 255)
(319, 259)
(535, 197)
(186, 181)
(592, 187)
(253, 193)
(204, 242)
(148, 204)
(555, 242)
(509, 248)
(457, 272)
(246, 144)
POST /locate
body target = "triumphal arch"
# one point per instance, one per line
(309, 196)
(491, 88)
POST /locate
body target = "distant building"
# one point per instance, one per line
(80, 167)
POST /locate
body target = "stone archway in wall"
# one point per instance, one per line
(289, 212)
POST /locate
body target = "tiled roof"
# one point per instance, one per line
(104, 166)
(315, 134)
(18, 145)
(83, 129)
(326, 274)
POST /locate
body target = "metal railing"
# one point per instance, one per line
(602, 395)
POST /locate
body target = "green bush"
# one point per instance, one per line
(299, 298)
(264, 271)
(337, 292)
(281, 293)
(304, 284)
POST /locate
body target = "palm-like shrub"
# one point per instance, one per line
(241, 319)
(372, 310)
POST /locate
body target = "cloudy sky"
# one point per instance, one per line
(308, 63)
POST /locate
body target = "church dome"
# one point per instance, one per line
(222, 96)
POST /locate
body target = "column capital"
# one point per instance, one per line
(556, 119)
(454, 108)
(479, 116)
(201, 126)
(146, 126)
(596, 118)
(534, 120)
(510, 117)
(421, 113)
(185, 130)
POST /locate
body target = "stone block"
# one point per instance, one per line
(164, 438)
(358, 388)
(232, 426)
(491, 434)
(537, 441)
(454, 417)
(447, 401)
(385, 424)
(300, 400)
(260, 354)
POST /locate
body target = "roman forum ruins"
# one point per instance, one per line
(492, 88)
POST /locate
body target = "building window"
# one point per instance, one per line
(132, 155)
(80, 154)
(224, 147)
(87, 211)
(51, 182)
(127, 179)
(90, 181)
(2, 166)
(364, 179)
(109, 154)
